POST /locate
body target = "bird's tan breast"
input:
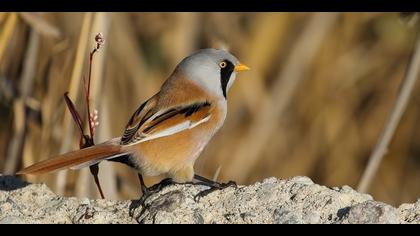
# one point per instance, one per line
(173, 152)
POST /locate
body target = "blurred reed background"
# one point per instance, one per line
(315, 102)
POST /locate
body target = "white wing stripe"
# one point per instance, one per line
(172, 130)
(200, 122)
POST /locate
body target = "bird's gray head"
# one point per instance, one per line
(213, 69)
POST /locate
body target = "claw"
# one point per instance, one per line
(147, 192)
(217, 186)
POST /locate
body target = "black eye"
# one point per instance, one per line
(222, 64)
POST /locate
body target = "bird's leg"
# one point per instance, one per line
(212, 184)
(143, 186)
(147, 192)
(159, 186)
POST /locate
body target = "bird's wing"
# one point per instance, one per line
(137, 119)
(157, 123)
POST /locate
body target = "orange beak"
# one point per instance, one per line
(241, 67)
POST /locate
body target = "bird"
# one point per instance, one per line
(168, 132)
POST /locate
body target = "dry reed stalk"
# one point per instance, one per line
(217, 173)
(60, 66)
(6, 33)
(131, 61)
(331, 140)
(40, 25)
(400, 105)
(247, 153)
(2, 16)
(130, 83)
(268, 30)
(185, 33)
(26, 85)
(75, 86)
(257, 52)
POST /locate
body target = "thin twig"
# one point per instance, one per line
(99, 42)
(400, 105)
(87, 94)
(89, 140)
(100, 24)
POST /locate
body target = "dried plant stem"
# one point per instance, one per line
(400, 105)
(248, 151)
(102, 23)
(26, 85)
(88, 92)
(40, 25)
(6, 33)
(268, 29)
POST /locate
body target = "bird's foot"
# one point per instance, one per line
(161, 185)
(148, 192)
(213, 187)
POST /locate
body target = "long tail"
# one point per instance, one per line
(75, 159)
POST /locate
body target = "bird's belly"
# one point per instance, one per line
(171, 153)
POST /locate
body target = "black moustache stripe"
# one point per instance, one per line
(225, 74)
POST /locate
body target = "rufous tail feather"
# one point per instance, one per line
(92, 154)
